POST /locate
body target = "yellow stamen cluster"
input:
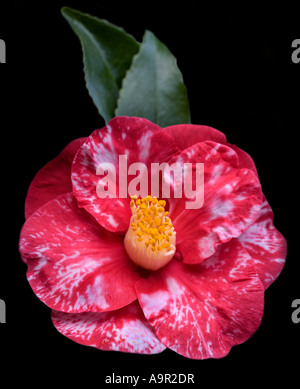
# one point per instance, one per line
(150, 239)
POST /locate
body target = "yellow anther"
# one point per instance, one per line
(150, 229)
(134, 197)
(157, 222)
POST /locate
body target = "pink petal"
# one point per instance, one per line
(53, 179)
(232, 201)
(186, 135)
(201, 311)
(245, 161)
(74, 265)
(138, 139)
(266, 246)
(124, 330)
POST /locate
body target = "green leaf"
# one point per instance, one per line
(153, 87)
(107, 55)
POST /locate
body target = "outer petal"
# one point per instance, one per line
(266, 246)
(74, 265)
(138, 139)
(53, 179)
(186, 135)
(232, 201)
(245, 161)
(201, 311)
(124, 330)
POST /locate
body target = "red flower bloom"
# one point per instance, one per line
(206, 299)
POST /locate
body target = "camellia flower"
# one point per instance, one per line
(144, 274)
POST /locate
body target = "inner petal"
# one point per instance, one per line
(150, 240)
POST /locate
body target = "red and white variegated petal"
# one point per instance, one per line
(232, 201)
(201, 311)
(124, 330)
(266, 245)
(186, 135)
(245, 161)
(53, 179)
(138, 139)
(75, 265)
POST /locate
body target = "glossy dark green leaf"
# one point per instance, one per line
(153, 87)
(107, 54)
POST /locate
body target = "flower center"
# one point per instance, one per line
(150, 239)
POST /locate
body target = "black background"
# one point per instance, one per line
(240, 79)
